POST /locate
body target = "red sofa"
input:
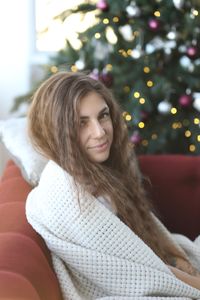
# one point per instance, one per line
(25, 264)
(175, 190)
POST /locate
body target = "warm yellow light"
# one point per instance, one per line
(123, 52)
(128, 117)
(196, 121)
(188, 133)
(136, 33)
(97, 35)
(111, 36)
(195, 12)
(115, 19)
(157, 13)
(173, 110)
(105, 21)
(74, 68)
(146, 70)
(142, 100)
(136, 95)
(129, 51)
(141, 125)
(198, 138)
(154, 136)
(149, 83)
(109, 67)
(192, 148)
(52, 32)
(175, 125)
(145, 143)
(127, 89)
(54, 69)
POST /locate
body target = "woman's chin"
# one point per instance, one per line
(100, 157)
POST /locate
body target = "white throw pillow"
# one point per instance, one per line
(13, 134)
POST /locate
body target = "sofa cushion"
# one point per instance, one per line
(15, 186)
(10, 171)
(12, 211)
(175, 190)
(16, 287)
(14, 136)
(21, 255)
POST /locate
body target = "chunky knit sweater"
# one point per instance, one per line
(94, 254)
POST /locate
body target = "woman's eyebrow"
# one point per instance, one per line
(83, 117)
(104, 109)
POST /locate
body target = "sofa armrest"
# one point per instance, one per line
(25, 263)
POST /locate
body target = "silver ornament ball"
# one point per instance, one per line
(164, 107)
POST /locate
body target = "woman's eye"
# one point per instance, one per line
(82, 123)
(105, 115)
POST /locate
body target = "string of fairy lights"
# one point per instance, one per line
(173, 110)
(138, 95)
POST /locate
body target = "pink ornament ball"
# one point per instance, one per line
(154, 24)
(136, 138)
(144, 115)
(94, 74)
(185, 101)
(103, 5)
(192, 52)
(106, 78)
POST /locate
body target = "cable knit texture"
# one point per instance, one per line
(95, 255)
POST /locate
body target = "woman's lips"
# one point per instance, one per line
(100, 147)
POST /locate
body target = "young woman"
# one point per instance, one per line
(90, 205)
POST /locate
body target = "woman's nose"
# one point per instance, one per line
(98, 130)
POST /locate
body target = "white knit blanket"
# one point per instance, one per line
(95, 255)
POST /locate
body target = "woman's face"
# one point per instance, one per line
(96, 129)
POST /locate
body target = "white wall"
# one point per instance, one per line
(16, 51)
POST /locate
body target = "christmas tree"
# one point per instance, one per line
(148, 53)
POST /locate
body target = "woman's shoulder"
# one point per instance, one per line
(56, 201)
(54, 177)
(53, 170)
(56, 189)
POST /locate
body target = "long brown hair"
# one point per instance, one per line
(54, 130)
